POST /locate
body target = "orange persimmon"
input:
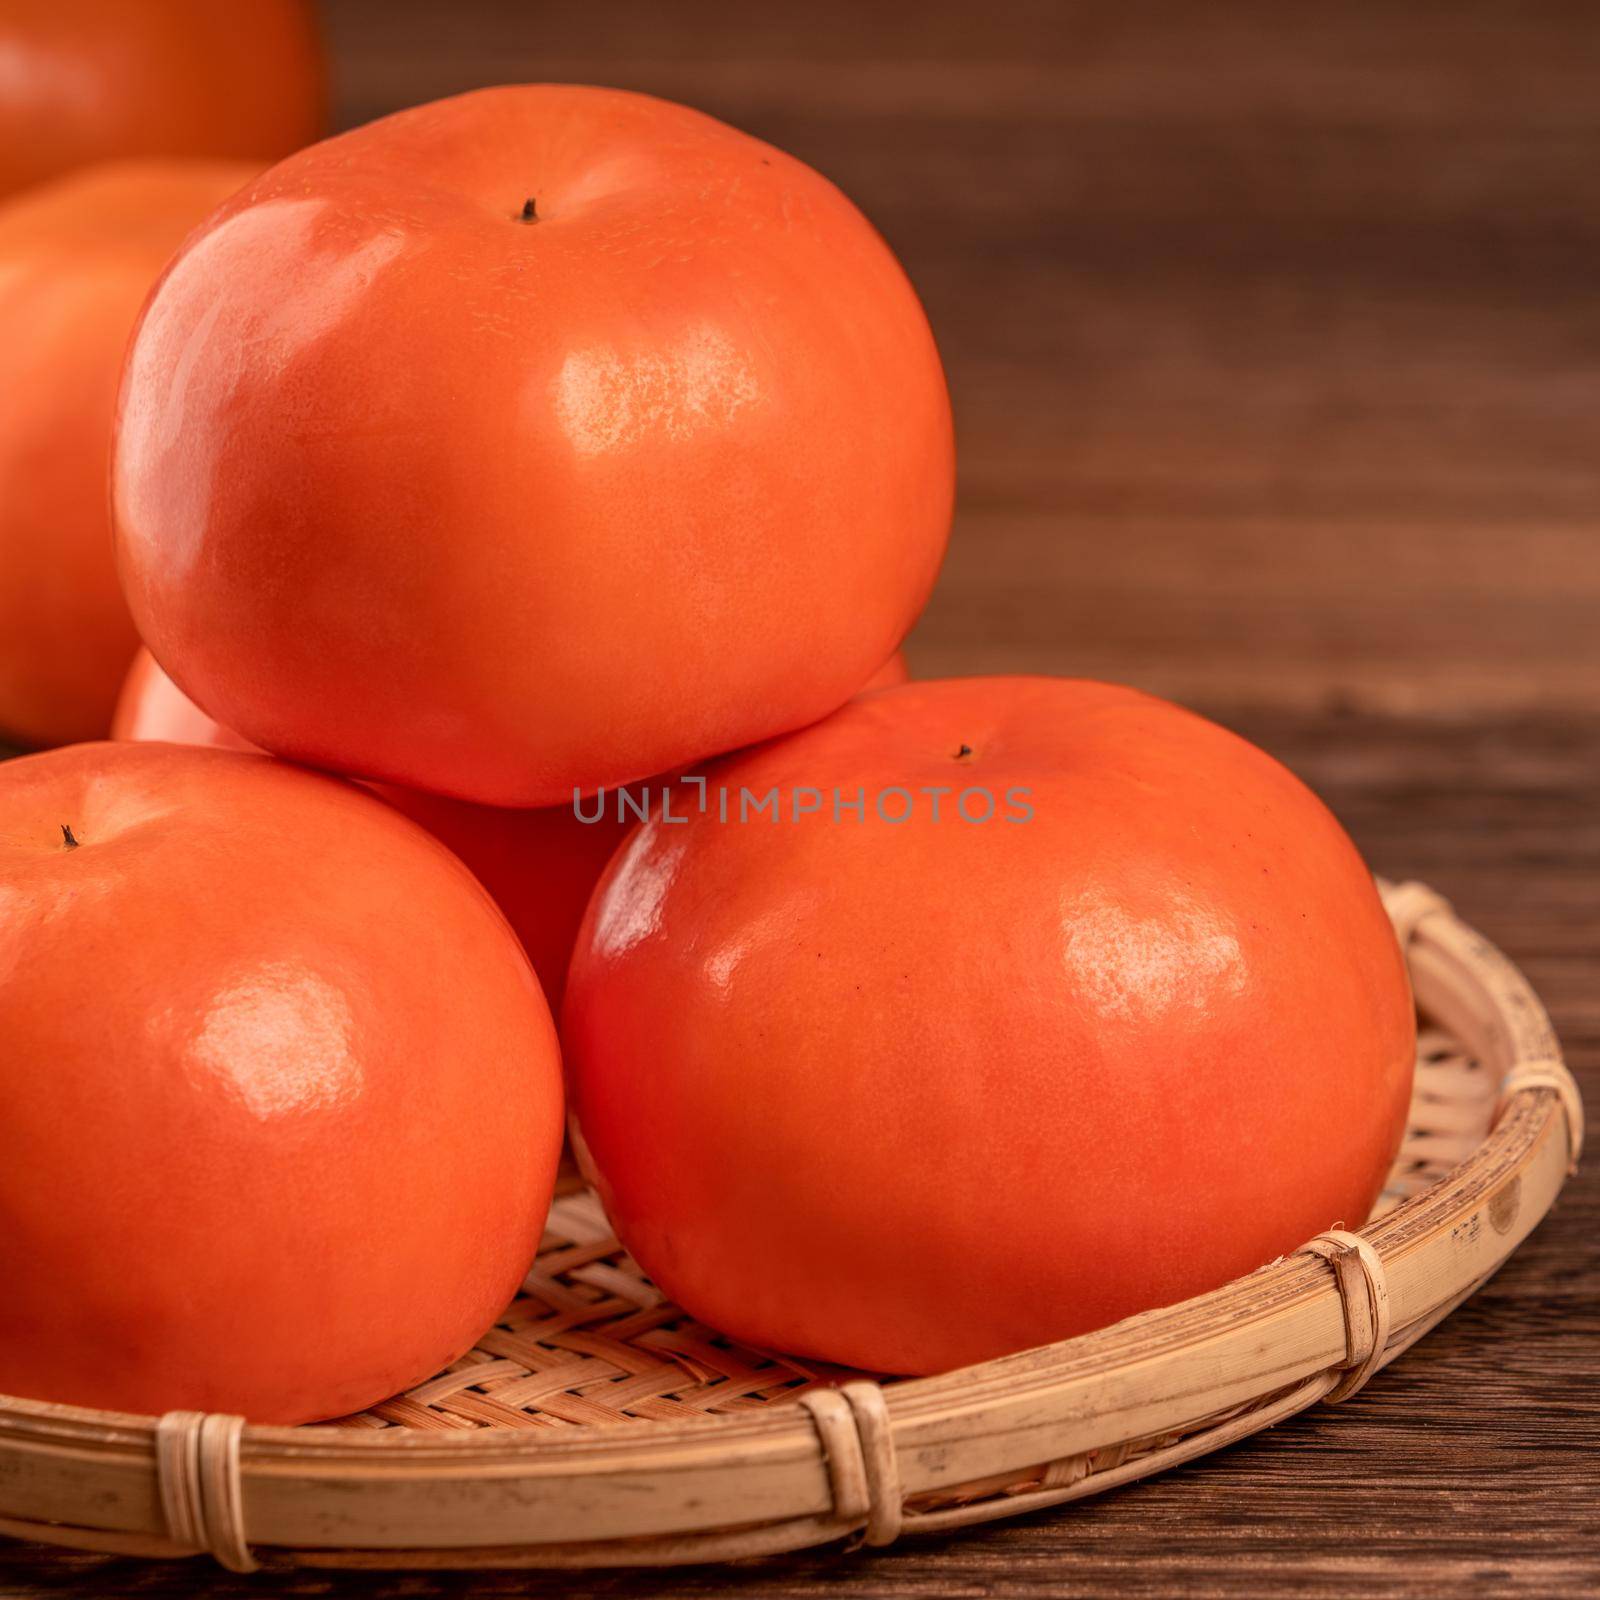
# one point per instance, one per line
(77, 258)
(893, 672)
(546, 437)
(1090, 1007)
(282, 1097)
(83, 81)
(540, 865)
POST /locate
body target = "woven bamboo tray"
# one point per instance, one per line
(596, 1425)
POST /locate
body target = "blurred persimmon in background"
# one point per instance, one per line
(77, 257)
(89, 80)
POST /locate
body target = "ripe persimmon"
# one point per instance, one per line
(546, 437)
(894, 671)
(1081, 1005)
(540, 865)
(83, 81)
(282, 1097)
(77, 258)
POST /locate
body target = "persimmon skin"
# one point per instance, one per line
(77, 258)
(283, 1099)
(911, 1096)
(500, 507)
(539, 865)
(891, 674)
(99, 80)
(152, 709)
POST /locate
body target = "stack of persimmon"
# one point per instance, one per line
(521, 501)
(122, 124)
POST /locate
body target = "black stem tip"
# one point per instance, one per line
(963, 752)
(67, 839)
(530, 211)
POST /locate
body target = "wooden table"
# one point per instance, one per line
(1275, 345)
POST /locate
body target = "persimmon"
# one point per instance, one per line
(282, 1097)
(539, 865)
(894, 671)
(152, 708)
(77, 258)
(83, 81)
(546, 437)
(1091, 1006)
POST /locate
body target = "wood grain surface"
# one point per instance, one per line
(1275, 348)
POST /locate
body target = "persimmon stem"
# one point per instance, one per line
(67, 839)
(530, 211)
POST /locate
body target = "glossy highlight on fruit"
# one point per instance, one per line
(282, 1097)
(1111, 1017)
(541, 438)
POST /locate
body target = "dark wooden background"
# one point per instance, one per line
(1274, 336)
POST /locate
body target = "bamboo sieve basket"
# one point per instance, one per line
(596, 1425)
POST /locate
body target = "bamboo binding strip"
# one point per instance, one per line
(858, 1446)
(1364, 1297)
(595, 1425)
(202, 1499)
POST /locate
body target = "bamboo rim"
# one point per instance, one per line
(867, 1462)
